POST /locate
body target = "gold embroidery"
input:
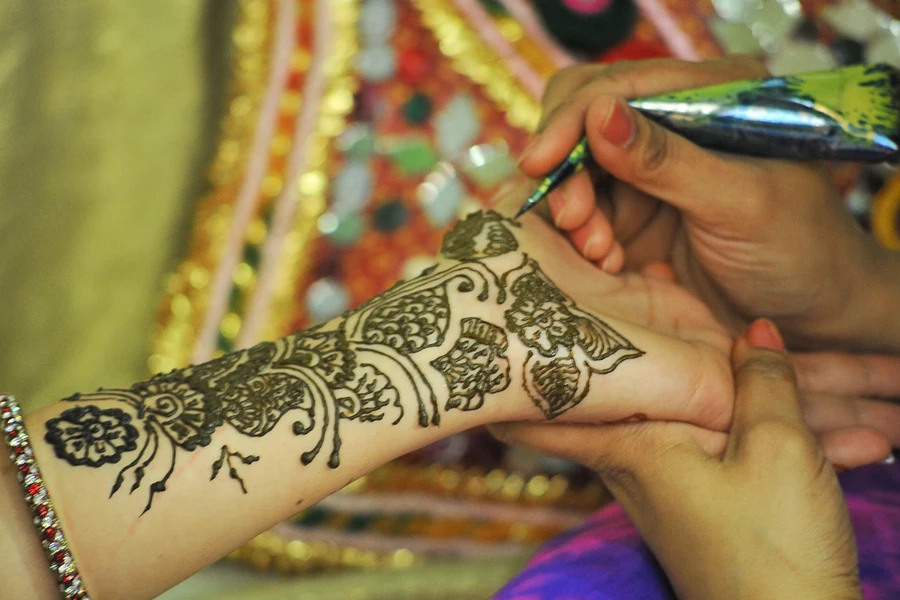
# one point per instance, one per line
(473, 58)
(312, 182)
(186, 289)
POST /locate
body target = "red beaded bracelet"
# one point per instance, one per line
(62, 563)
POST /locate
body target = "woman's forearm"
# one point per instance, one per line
(156, 481)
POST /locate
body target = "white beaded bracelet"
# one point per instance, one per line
(62, 563)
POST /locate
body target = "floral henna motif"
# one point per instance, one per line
(410, 323)
(480, 235)
(255, 406)
(357, 368)
(476, 365)
(368, 395)
(566, 344)
(86, 435)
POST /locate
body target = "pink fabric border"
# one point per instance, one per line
(220, 286)
(285, 209)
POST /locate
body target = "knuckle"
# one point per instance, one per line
(506, 433)
(567, 78)
(755, 207)
(617, 79)
(745, 66)
(769, 368)
(618, 468)
(618, 478)
(657, 151)
(774, 441)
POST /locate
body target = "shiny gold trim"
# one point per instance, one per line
(885, 212)
(271, 552)
(313, 179)
(528, 49)
(496, 485)
(187, 293)
(473, 58)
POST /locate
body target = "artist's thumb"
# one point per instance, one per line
(661, 163)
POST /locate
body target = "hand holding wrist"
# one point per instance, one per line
(870, 319)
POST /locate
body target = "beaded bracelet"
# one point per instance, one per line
(62, 563)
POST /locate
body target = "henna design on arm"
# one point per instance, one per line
(226, 456)
(476, 365)
(362, 367)
(566, 344)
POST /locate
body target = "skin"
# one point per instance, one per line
(770, 522)
(656, 215)
(128, 548)
(740, 247)
(751, 237)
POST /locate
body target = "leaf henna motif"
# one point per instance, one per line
(567, 345)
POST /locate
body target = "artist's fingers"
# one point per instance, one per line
(572, 91)
(826, 412)
(663, 164)
(854, 447)
(849, 374)
(614, 259)
(573, 202)
(767, 406)
(610, 448)
(563, 86)
(634, 210)
(594, 238)
(655, 242)
(659, 270)
(613, 449)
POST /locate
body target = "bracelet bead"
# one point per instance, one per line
(62, 563)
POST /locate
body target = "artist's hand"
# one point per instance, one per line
(850, 401)
(685, 375)
(756, 513)
(753, 238)
(851, 424)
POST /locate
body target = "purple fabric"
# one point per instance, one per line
(604, 558)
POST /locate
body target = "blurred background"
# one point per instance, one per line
(180, 179)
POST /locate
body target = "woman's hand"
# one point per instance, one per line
(757, 513)
(846, 400)
(853, 426)
(751, 237)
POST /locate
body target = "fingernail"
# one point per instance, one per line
(891, 459)
(619, 128)
(592, 241)
(559, 216)
(529, 147)
(558, 204)
(762, 333)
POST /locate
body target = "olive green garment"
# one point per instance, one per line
(107, 114)
(470, 579)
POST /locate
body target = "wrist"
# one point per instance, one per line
(870, 320)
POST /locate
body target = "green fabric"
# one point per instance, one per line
(453, 580)
(107, 113)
